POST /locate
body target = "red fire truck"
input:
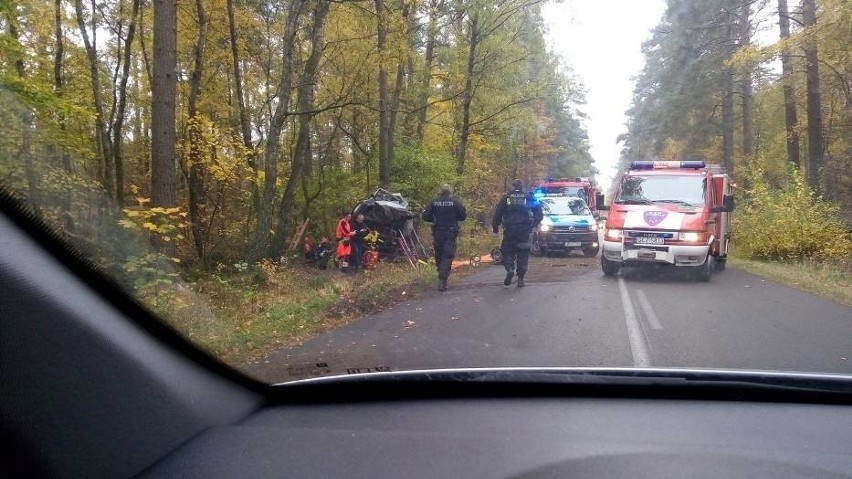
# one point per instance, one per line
(577, 187)
(669, 212)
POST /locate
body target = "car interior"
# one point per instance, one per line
(93, 385)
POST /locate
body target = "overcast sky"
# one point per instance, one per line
(601, 40)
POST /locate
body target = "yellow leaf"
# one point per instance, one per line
(127, 224)
(150, 226)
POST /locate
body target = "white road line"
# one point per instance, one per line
(638, 348)
(648, 310)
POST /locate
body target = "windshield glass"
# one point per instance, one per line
(575, 207)
(314, 188)
(575, 191)
(685, 190)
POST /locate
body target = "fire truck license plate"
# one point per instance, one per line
(648, 240)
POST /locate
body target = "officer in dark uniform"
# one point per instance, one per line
(444, 212)
(519, 213)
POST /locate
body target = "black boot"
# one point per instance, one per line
(521, 281)
(509, 276)
(442, 286)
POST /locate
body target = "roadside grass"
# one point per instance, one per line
(833, 281)
(245, 315)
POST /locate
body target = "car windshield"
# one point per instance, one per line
(573, 207)
(316, 188)
(682, 190)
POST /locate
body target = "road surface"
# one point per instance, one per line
(571, 315)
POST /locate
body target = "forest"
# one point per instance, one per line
(778, 115)
(218, 126)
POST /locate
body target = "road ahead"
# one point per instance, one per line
(571, 315)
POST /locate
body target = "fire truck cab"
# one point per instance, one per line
(583, 188)
(669, 212)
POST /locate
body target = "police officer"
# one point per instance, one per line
(519, 213)
(444, 212)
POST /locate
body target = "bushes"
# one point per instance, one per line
(788, 224)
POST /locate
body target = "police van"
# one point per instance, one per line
(567, 225)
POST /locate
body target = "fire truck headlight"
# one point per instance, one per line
(691, 237)
(613, 234)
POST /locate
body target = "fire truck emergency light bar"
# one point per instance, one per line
(650, 165)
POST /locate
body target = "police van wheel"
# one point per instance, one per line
(610, 268)
(537, 249)
(592, 252)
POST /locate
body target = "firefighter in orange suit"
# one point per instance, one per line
(344, 239)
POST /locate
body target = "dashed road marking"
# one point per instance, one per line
(648, 310)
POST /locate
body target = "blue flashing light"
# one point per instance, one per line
(653, 165)
(538, 194)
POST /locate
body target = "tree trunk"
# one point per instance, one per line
(467, 97)
(728, 113)
(394, 110)
(100, 120)
(144, 49)
(245, 124)
(25, 117)
(396, 96)
(118, 123)
(745, 83)
(261, 243)
(305, 104)
(790, 115)
(195, 176)
(429, 56)
(815, 142)
(65, 158)
(163, 92)
(384, 120)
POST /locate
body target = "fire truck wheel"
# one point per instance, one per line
(705, 271)
(610, 268)
(721, 262)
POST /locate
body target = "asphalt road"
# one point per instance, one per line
(571, 315)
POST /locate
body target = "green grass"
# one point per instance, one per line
(241, 319)
(245, 316)
(833, 281)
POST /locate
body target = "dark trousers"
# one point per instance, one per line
(516, 245)
(357, 256)
(445, 250)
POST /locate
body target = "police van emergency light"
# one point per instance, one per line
(653, 165)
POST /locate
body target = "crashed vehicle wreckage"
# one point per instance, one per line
(389, 215)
